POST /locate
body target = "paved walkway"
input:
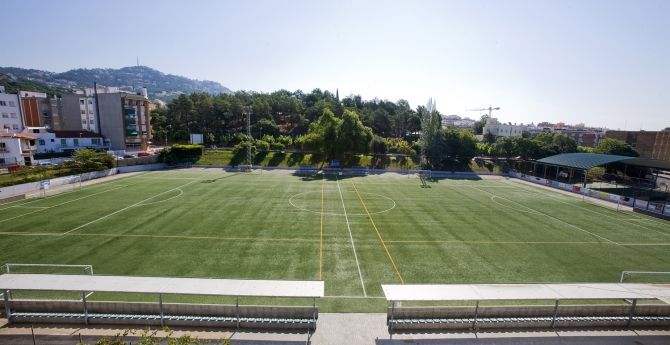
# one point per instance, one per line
(349, 329)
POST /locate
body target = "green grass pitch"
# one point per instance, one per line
(354, 233)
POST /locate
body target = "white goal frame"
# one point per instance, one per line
(629, 273)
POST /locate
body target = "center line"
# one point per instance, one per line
(351, 237)
(321, 232)
(377, 230)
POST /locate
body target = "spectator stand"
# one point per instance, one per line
(581, 315)
(51, 311)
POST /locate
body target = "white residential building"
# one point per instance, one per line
(17, 148)
(498, 129)
(10, 112)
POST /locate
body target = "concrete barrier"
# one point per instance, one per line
(12, 198)
(146, 167)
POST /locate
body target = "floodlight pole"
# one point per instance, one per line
(248, 111)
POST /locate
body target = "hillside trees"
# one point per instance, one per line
(611, 146)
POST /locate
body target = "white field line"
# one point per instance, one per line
(548, 216)
(125, 208)
(598, 213)
(365, 294)
(32, 206)
(96, 185)
(156, 202)
(67, 202)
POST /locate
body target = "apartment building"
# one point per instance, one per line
(585, 137)
(39, 110)
(650, 144)
(66, 141)
(10, 112)
(121, 117)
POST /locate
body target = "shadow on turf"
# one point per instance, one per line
(220, 178)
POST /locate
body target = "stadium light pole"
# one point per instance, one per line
(248, 111)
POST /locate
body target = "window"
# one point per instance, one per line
(3, 103)
(76, 142)
(90, 111)
(45, 114)
(52, 140)
(90, 122)
(63, 142)
(5, 115)
(134, 103)
(13, 115)
(36, 130)
(90, 101)
(83, 122)
(42, 142)
(15, 126)
(83, 112)
(81, 101)
(95, 141)
(12, 104)
(141, 104)
(126, 104)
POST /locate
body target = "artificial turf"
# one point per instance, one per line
(199, 223)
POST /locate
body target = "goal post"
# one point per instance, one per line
(60, 185)
(644, 277)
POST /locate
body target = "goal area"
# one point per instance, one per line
(644, 277)
(60, 185)
(45, 269)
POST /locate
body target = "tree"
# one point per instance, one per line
(379, 145)
(468, 149)
(526, 148)
(334, 137)
(88, 160)
(506, 146)
(611, 146)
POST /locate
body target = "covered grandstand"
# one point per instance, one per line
(639, 182)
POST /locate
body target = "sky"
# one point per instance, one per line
(602, 63)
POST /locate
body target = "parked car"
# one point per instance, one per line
(128, 156)
(143, 154)
(46, 164)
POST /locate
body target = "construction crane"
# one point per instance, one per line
(490, 109)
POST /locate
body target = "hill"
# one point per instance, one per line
(159, 85)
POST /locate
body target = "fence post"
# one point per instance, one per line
(474, 323)
(160, 304)
(83, 298)
(553, 320)
(632, 312)
(8, 310)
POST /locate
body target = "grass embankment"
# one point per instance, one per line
(296, 159)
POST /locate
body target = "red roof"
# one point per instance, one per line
(76, 134)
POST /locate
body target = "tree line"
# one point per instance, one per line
(321, 121)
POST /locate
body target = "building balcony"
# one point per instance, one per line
(28, 148)
(83, 146)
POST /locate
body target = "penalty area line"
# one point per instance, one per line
(125, 208)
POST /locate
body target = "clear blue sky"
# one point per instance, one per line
(604, 63)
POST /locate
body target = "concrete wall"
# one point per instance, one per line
(112, 119)
(134, 168)
(33, 186)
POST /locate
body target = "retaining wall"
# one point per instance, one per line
(145, 167)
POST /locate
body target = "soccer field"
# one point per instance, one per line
(353, 233)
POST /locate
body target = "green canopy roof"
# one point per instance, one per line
(585, 161)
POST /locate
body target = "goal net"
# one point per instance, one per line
(60, 185)
(424, 173)
(45, 269)
(644, 277)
